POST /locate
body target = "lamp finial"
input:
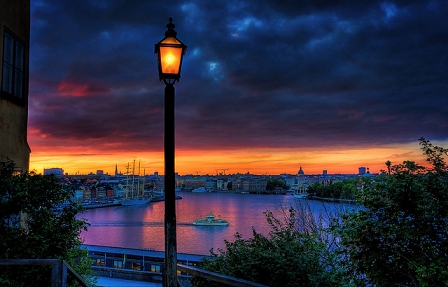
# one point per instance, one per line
(170, 32)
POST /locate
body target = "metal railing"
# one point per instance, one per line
(61, 269)
(58, 272)
(216, 277)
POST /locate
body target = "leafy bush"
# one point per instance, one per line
(37, 220)
(400, 235)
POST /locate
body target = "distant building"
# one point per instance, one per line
(249, 184)
(362, 170)
(14, 61)
(300, 172)
(53, 170)
(100, 172)
(324, 172)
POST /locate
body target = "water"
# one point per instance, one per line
(143, 226)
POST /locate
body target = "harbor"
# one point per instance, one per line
(142, 227)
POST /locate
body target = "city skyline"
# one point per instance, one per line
(129, 169)
(266, 86)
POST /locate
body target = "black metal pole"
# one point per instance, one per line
(170, 274)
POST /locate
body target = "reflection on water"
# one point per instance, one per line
(143, 226)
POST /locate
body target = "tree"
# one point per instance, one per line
(297, 252)
(273, 183)
(388, 164)
(345, 189)
(399, 236)
(37, 220)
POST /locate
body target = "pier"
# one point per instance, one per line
(145, 265)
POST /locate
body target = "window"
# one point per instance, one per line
(136, 266)
(13, 66)
(118, 264)
(155, 268)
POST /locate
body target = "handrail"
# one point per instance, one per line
(231, 281)
(58, 272)
(78, 277)
(28, 261)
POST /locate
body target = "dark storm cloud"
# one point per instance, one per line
(256, 73)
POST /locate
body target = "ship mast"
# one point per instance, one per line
(133, 178)
(127, 181)
(138, 178)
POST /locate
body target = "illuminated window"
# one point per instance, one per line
(13, 80)
(136, 266)
(99, 262)
(155, 268)
(118, 264)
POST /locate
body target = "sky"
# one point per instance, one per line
(266, 86)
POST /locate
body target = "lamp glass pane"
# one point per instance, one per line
(170, 59)
(170, 40)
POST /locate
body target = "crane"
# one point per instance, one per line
(221, 169)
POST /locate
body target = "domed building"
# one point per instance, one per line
(300, 172)
(368, 174)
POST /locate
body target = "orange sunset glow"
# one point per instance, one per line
(255, 161)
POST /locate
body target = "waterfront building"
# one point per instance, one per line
(211, 184)
(288, 179)
(249, 183)
(14, 71)
(222, 182)
(79, 195)
(192, 182)
(53, 170)
(362, 170)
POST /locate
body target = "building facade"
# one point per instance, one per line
(53, 170)
(362, 170)
(14, 74)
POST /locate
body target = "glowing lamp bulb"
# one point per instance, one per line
(169, 54)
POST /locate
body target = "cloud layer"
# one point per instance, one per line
(257, 74)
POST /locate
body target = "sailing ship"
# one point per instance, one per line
(299, 191)
(134, 195)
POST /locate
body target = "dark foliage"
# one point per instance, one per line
(345, 189)
(296, 253)
(37, 220)
(400, 235)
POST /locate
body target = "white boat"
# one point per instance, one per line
(210, 220)
(199, 189)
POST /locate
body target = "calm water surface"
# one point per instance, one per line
(143, 226)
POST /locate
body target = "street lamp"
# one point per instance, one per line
(170, 52)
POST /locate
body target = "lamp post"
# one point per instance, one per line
(169, 53)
